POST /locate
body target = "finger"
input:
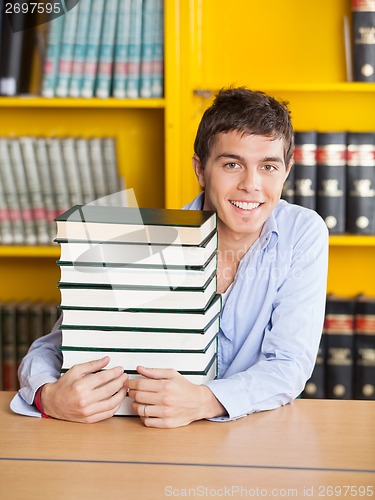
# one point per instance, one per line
(144, 384)
(96, 380)
(83, 369)
(104, 409)
(107, 390)
(157, 373)
(148, 398)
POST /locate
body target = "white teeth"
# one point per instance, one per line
(244, 205)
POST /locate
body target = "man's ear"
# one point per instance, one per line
(199, 171)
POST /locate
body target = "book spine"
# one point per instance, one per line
(11, 194)
(66, 53)
(6, 233)
(315, 386)
(158, 51)
(147, 47)
(83, 162)
(22, 191)
(60, 185)
(97, 167)
(305, 169)
(364, 375)
(22, 330)
(46, 183)
(361, 183)
(71, 171)
(51, 61)
(92, 49)
(9, 346)
(106, 53)
(135, 48)
(331, 179)
(36, 329)
(363, 15)
(339, 325)
(80, 48)
(121, 50)
(39, 214)
(113, 180)
(11, 55)
(287, 193)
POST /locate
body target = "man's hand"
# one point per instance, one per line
(164, 398)
(82, 395)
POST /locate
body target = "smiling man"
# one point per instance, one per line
(272, 271)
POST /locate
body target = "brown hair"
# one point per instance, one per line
(250, 112)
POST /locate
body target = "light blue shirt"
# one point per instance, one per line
(271, 322)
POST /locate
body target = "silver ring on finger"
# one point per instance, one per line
(144, 410)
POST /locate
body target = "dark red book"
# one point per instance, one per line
(363, 22)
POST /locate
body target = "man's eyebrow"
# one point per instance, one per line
(233, 156)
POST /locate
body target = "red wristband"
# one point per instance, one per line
(38, 402)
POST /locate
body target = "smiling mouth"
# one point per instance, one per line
(243, 205)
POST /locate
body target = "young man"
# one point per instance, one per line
(272, 270)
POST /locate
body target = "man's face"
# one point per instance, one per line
(243, 178)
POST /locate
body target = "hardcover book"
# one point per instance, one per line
(305, 169)
(364, 351)
(361, 183)
(363, 14)
(331, 179)
(136, 225)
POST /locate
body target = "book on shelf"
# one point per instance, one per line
(17, 236)
(98, 167)
(65, 64)
(9, 345)
(79, 50)
(315, 386)
(73, 179)
(364, 348)
(331, 179)
(106, 50)
(121, 52)
(134, 50)
(58, 175)
(84, 169)
(363, 26)
(136, 225)
(339, 328)
(194, 340)
(180, 360)
(97, 273)
(305, 168)
(6, 231)
(157, 84)
(113, 181)
(142, 318)
(287, 193)
(119, 297)
(22, 331)
(52, 56)
(92, 48)
(147, 48)
(361, 183)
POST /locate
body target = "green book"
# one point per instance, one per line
(136, 225)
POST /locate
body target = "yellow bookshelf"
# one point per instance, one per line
(291, 49)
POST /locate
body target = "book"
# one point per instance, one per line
(339, 327)
(157, 84)
(142, 318)
(51, 60)
(73, 179)
(190, 361)
(85, 170)
(9, 345)
(79, 51)
(134, 50)
(136, 225)
(120, 297)
(331, 179)
(139, 255)
(114, 182)
(287, 193)
(315, 386)
(102, 273)
(106, 51)
(22, 331)
(92, 49)
(361, 183)
(364, 348)
(147, 48)
(194, 340)
(65, 65)
(58, 175)
(363, 22)
(6, 232)
(98, 168)
(11, 195)
(121, 50)
(305, 168)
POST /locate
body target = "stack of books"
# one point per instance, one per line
(139, 285)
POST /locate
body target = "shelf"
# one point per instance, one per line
(95, 103)
(351, 240)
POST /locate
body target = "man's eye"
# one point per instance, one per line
(231, 166)
(269, 168)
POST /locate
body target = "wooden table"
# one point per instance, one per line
(313, 449)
